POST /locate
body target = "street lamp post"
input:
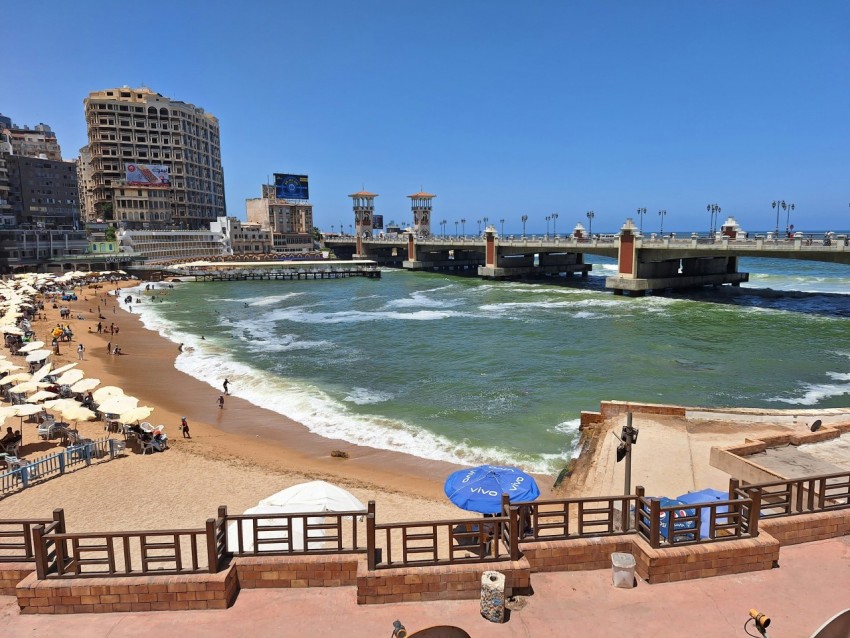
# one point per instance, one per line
(456, 223)
(332, 229)
(485, 219)
(555, 224)
(463, 227)
(548, 219)
(662, 214)
(788, 219)
(714, 211)
(590, 216)
(777, 204)
(502, 224)
(524, 219)
(641, 212)
(479, 225)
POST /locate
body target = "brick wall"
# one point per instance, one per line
(297, 571)
(581, 554)
(448, 582)
(655, 565)
(13, 573)
(613, 408)
(137, 593)
(805, 528)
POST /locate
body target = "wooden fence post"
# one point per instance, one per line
(755, 511)
(61, 457)
(640, 492)
(734, 484)
(40, 553)
(506, 504)
(370, 536)
(513, 531)
(212, 549)
(655, 523)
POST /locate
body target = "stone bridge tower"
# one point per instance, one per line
(420, 205)
(364, 216)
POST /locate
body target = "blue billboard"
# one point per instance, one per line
(291, 186)
(378, 222)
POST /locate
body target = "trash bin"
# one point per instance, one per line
(623, 570)
(493, 596)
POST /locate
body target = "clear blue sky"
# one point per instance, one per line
(500, 108)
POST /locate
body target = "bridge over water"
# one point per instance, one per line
(643, 264)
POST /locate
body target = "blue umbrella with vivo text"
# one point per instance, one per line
(480, 489)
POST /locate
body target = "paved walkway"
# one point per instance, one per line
(811, 585)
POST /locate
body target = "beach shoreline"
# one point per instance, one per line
(241, 431)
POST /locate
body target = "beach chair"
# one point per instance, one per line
(45, 429)
(148, 446)
(12, 448)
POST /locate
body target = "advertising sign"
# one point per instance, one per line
(147, 175)
(378, 222)
(291, 186)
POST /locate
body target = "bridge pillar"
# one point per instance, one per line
(501, 266)
(642, 269)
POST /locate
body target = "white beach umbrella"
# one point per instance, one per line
(6, 366)
(38, 355)
(27, 409)
(11, 330)
(33, 345)
(84, 385)
(59, 404)
(17, 376)
(118, 405)
(102, 394)
(78, 413)
(22, 388)
(135, 414)
(65, 368)
(41, 395)
(70, 377)
(42, 372)
(314, 496)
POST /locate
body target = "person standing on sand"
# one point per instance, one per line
(109, 348)
(225, 384)
(184, 426)
(221, 402)
(80, 350)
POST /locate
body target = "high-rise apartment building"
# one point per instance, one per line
(151, 162)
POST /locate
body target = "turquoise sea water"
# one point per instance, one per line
(461, 369)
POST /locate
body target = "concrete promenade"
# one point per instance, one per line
(811, 585)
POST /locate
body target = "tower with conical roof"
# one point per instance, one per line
(364, 214)
(420, 205)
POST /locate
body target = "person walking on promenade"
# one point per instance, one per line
(80, 350)
(99, 327)
(220, 401)
(184, 426)
(226, 384)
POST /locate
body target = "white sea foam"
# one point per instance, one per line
(272, 300)
(303, 315)
(812, 394)
(365, 396)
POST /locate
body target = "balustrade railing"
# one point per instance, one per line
(293, 533)
(557, 519)
(802, 495)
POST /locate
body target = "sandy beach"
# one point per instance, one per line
(236, 456)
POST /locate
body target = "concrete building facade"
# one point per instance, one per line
(243, 238)
(156, 246)
(31, 142)
(289, 221)
(43, 193)
(140, 127)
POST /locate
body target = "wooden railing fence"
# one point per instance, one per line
(60, 554)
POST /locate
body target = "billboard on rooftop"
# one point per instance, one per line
(291, 186)
(147, 175)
